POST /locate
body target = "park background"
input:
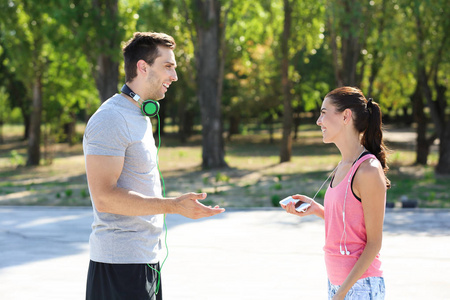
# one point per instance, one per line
(240, 122)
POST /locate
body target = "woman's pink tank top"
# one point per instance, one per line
(338, 265)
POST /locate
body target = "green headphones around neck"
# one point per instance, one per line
(149, 108)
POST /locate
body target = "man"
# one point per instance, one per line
(124, 181)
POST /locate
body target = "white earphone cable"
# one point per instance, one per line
(344, 233)
(325, 182)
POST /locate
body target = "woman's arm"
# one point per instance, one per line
(370, 186)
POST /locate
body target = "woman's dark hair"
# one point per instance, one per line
(144, 45)
(366, 119)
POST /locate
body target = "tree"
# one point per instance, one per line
(347, 23)
(286, 140)
(97, 27)
(208, 19)
(209, 25)
(46, 73)
(205, 23)
(304, 18)
(412, 77)
(252, 68)
(14, 88)
(432, 43)
(171, 17)
(381, 21)
(27, 25)
(424, 142)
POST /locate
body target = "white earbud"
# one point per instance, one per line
(346, 252)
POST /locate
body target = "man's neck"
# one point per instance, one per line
(133, 87)
(137, 103)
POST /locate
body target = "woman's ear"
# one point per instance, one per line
(347, 115)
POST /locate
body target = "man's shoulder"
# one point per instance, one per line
(107, 119)
(109, 110)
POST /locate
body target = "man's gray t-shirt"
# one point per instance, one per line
(118, 128)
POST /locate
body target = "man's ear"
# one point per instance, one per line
(141, 66)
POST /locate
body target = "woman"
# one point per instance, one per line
(355, 200)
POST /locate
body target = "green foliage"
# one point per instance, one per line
(60, 42)
(278, 186)
(68, 193)
(321, 194)
(220, 177)
(84, 193)
(16, 158)
(275, 200)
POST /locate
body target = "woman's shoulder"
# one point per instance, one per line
(370, 169)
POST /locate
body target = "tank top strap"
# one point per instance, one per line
(355, 167)
(362, 159)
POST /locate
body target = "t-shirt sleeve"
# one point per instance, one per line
(106, 134)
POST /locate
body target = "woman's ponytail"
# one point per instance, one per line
(372, 138)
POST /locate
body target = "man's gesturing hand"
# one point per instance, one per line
(188, 205)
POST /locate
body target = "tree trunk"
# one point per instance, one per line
(296, 115)
(106, 71)
(70, 129)
(437, 106)
(27, 121)
(376, 64)
(297, 121)
(422, 147)
(443, 166)
(234, 122)
(34, 141)
(1, 131)
(208, 61)
(377, 57)
(185, 122)
(162, 117)
(351, 46)
(286, 140)
(334, 51)
(345, 57)
(106, 76)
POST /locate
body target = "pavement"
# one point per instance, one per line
(241, 254)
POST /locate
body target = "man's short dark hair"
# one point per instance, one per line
(144, 45)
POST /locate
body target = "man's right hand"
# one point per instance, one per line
(188, 205)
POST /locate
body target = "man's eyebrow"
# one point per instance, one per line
(170, 63)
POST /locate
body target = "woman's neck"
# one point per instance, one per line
(351, 151)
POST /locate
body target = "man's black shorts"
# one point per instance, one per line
(122, 282)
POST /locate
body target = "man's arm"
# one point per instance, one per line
(102, 175)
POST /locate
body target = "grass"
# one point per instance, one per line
(255, 178)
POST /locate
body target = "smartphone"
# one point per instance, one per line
(300, 206)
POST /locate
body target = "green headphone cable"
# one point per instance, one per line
(164, 195)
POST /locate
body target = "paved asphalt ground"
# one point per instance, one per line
(241, 254)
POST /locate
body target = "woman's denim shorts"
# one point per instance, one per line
(370, 288)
